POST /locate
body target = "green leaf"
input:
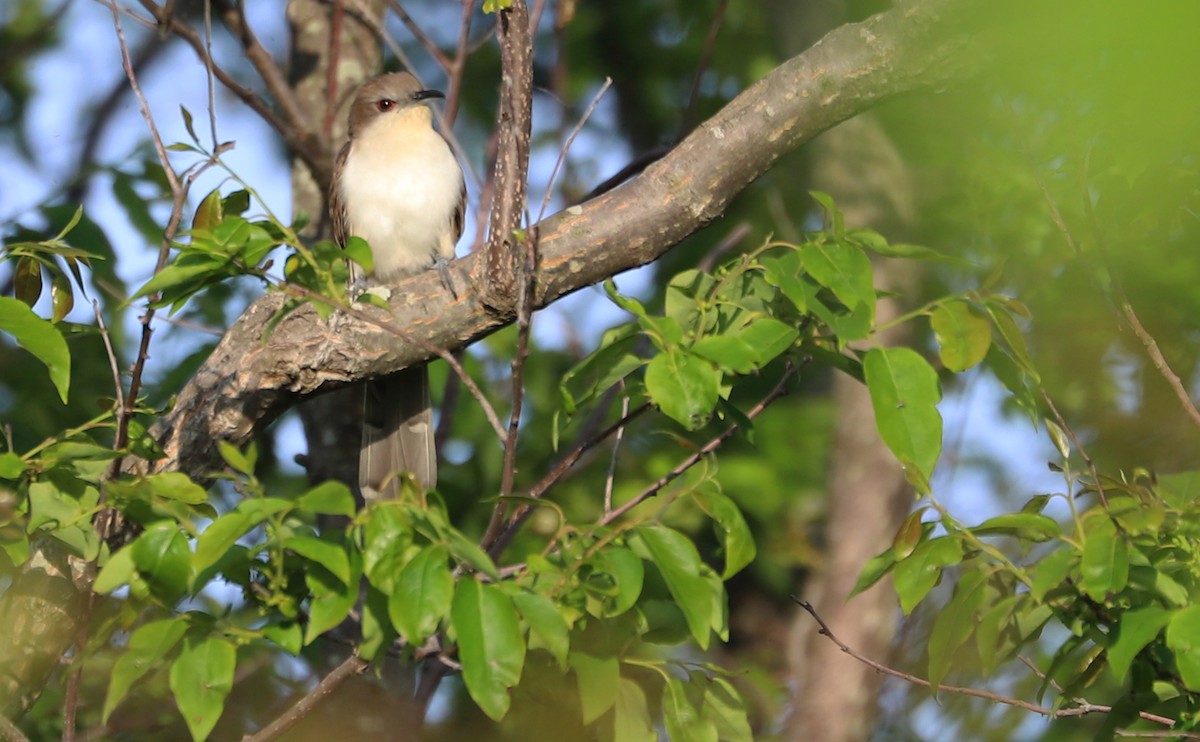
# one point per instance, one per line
(1135, 630)
(163, 559)
(468, 551)
(174, 485)
(490, 645)
(11, 465)
(768, 338)
(963, 333)
(725, 708)
(328, 498)
(1028, 526)
(915, 576)
(243, 463)
(874, 571)
(39, 337)
(329, 555)
(631, 717)
(954, 625)
(599, 679)
(332, 598)
(220, 536)
(1012, 336)
(378, 634)
(677, 559)
(728, 352)
(1051, 571)
(148, 644)
(736, 539)
(189, 269)
(210, 212)
(201, 677)
(116, 572)
(288, 636)
(684, 722)
(547, 628)
(993, 634)
(627, 573)
(1104, 565)
(843, 269)
(1183, 638)
(27, 281)
(684, 386)
(62, 298)
(422, 594)
(904, 393)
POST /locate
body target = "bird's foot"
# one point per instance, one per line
(443, 268)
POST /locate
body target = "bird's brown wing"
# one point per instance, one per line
(337, 205)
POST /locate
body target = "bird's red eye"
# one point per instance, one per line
(385, 105)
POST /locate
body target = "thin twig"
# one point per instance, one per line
(1079, 447)
(423, 38)
(610, 480)
(736, 235)
(208, 73)
(1159, 360)
(113, 364)
(1083, 708)
(689, 112)
(304, 141)
(458, 67)
(780, 389)
(331, 67)
(561, 469)
(159, 148)
(354, 665)
(562, 153)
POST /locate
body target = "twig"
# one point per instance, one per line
(560, 470)
(459, 65)
(689, 112)
(1079, 446)
(1159, 360)
(159, 148)
(736, 235)
(422, 38)
(304, 141)
(208, 73)
(354, 665)
(612, 462)
(1082, 709)
(331, 67)
(562, 153)
(527, 269)
(780, 389)
(118, 388)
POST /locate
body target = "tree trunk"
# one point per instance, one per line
(836, 699)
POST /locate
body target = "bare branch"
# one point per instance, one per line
(780, 389)
(1080, 708)
(354, 665)
(248, 381)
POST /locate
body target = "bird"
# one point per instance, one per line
(397, 184)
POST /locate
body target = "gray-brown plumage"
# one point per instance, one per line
(397, 185)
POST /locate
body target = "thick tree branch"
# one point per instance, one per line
(249, 380)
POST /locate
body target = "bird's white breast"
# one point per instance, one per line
(400, 186)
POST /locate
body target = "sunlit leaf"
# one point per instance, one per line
(490, 644)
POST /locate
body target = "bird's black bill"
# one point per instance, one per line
(427, 94)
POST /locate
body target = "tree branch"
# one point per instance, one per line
(253, 376)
